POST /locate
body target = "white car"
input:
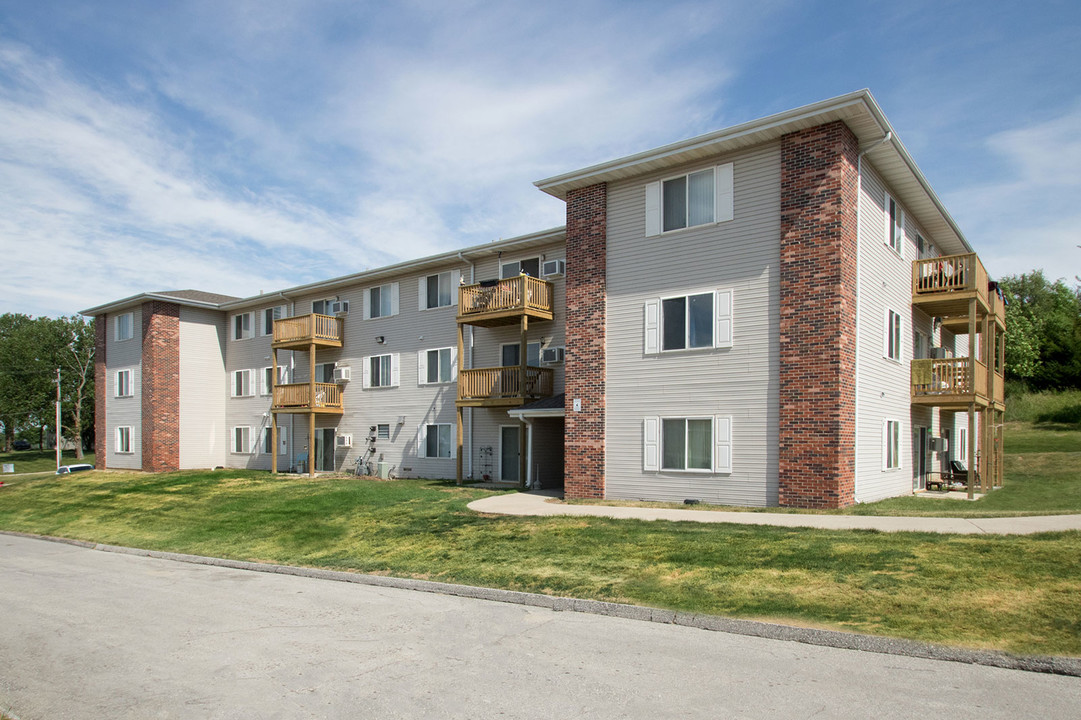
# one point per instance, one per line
(78, 467)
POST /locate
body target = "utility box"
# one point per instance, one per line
(9, 468)
(384, 470)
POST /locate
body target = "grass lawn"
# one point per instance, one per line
(32, 461)
(1011, 593)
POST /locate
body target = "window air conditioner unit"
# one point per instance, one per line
(343, 374)
(345, 440)
(554, 268)
(339, 307)
(938, 444)
(552, 356)
(939, 353)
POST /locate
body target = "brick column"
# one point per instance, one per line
(161, 386)
(583, 444)
(101, 442)
(818, 317)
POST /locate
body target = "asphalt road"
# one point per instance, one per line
(88, 634)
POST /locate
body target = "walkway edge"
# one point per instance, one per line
(754, 628)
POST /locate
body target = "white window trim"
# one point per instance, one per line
(723, 322)
(723, 200)
(131, 440)
(245, 335)
(886, 441)
(130, 383)
(366, 296)
(233, 440)
(422, 366)
(279, 313)
(899, 248)
(422, 441)
(720, 454)
(889, 335)
(232, 384)
(131, 327)
(366, 371)
(422, 290)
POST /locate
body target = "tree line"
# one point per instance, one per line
(31, 350)
(1043, 332)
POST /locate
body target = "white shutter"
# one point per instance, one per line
(394, 370)
(901, 228)
(454, 363)
(724, 184)
(722, 336)
(722, 433)
(422, 367)
(653, 209)
(651, 444)
(422, 446)
(366, 297)
(422, 293)
(455, 282)
(885, 437)
(366, 372)
(652, 327)
(394, 298)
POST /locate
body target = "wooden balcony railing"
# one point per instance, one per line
(505, 383)
(523, 294)
(308, 329)
(948, 274)
(950, 376)
(296, 397)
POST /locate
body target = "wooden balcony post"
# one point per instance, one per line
(971, 450)
(273, 416)
(523, 364)
(461, 425)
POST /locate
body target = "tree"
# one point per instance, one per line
(1043, 331)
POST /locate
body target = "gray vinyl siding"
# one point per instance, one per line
(203, 441)
(883, 385)
(742, 255)
(126, 354)
(253, 411)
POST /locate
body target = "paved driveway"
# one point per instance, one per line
(87, 634)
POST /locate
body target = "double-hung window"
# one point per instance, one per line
(271, 314)
(895, 225)
(125, 326)
(241, 385)
(893, 335)
(242, 440)
(267, 445)
(891, 445)
(435, 440)
(436, 291)
(528, 266)
(691, 444)
(380, 371)
(436, 366)
(242, 329)
(689, 322)
(123, 439)
(510, 354)
(698, 198)
(268, 379)
(123, 383)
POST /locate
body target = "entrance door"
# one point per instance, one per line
(324, 449)
(509, 451)
(919, 482)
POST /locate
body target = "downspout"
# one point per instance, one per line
(461, 361)
(292, 367)
(859, 285)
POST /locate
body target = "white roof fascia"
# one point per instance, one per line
(143, 297)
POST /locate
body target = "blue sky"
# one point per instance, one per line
(241, 146)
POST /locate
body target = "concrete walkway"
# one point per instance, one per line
(537, 503)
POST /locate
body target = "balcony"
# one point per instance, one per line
(943, 287)
(504, 302)
(303, 331)
(952, 383)
(296, 398)
(503, 386)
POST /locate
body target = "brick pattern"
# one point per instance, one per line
(584, 442)
(819, 194)
(101, 442)
(161, 386)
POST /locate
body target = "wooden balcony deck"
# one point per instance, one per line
(302, 331)
(295, 398)
(503, 386)
(943, 286)
(953, 383)
(505, 302)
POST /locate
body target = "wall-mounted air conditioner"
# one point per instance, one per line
(344, 440)
(552, 355)
(339, 307)
(343, 374)
(937, 444)
(940, 353)
(554, 268)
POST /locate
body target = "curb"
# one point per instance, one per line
(753, 628)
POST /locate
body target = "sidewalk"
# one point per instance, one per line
(536, 503)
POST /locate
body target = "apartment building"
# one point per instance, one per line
(780, 312)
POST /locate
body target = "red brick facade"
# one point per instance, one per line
(584, 444)
(161, 386)
(819, 194)
(101, 442)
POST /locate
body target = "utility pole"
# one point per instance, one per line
(57, 431)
